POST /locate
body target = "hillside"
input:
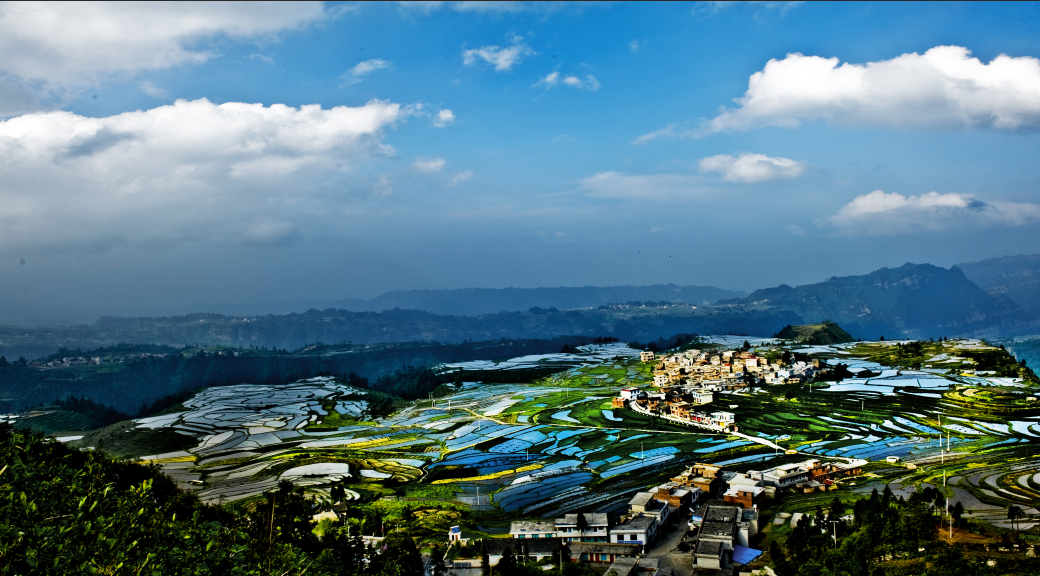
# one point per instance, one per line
(914, 300)
(824, 333)
(1014, 277)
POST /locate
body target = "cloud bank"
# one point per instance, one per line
(752, 167)
(943, 88)
(63, 43)
(881, 212)
(193, 171)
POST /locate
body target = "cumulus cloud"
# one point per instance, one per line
(363, 69)
(444, 118)
(880, 212)
(70, 43)
(943, 88)
(501, 58)
(193, 171)
(589, 82)
(614, 184)
(752, 167)
(429, 165)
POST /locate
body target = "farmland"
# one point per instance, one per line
(542, 446)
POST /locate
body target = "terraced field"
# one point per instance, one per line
(555, 444)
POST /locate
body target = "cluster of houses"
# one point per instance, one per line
(725, 368)
(722, 506)
(93, 361)
(687, 381)
(69, 361)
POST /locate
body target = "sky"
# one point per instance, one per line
(167, 157)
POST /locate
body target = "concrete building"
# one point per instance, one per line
(524, 529)
(583, 528)
(706, 477)
(602, 552)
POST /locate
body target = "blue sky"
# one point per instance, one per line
(157, 156)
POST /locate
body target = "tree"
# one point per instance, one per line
(1014, 513)
(958, 511)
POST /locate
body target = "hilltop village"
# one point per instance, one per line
(687, 381)
(711, 511)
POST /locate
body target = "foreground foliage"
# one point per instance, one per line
(65, 511)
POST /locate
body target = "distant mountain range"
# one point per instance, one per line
(1014, 277)
(999, 297)
(460, 302)
(291, 331)
(914, 300)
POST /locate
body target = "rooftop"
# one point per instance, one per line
(722, 514)
(592, 519)
(723, 529)
(639, 523)
(709, 548)
(531, 526)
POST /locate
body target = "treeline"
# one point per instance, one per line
(887, 536)
(141, 381)
(98, 413)
(662, 344)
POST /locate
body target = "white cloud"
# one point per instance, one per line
(444, 118)
(887, 213)
(943, 88)
(460, 177)
(495, 7)
(550, 80)
(501, 58)
(60, 44)
(589, 82)
(358, 73)
(752, 167)
(636, 45)
(642, 186)
(795, 229)
(261, 58)
(714, 7)
(187, 172)
(668, 130)
(429, 165)
(152, 90)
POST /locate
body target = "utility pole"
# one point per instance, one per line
(834, 525)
